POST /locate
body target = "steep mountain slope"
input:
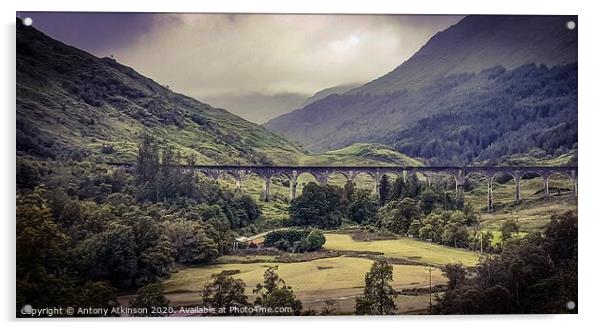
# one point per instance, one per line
(480, 42)
(341, 89)
(455, 76)
(527, 110)
(71, 104)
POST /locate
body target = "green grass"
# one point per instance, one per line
(361, 154)
(340, 278)
(243, 259)
(537, 157)
(405, 248)
(533, 212)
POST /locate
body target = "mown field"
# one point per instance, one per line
(404, 248)
(340, 279)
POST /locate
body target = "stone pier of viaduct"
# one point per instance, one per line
(322, 174)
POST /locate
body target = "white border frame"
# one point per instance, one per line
(589, 136)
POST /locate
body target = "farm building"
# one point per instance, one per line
(256, 241)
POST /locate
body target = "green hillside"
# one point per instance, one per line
(361, 154)
(73, 105)
(535, 157)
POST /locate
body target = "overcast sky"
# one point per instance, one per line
(207, 55)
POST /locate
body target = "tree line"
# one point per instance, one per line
(406, 206)
(536, 274)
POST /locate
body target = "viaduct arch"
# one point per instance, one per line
(322, 173)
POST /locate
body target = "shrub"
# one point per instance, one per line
(295, 240)
(107, 149)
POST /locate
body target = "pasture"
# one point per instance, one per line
(340, 279)
(534, 210)
(404, 248)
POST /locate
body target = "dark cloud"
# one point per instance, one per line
(97, 33)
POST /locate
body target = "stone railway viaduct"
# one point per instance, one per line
(322, 174)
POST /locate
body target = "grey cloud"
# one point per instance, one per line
(212, 55)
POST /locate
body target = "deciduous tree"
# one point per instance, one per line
(319, 206)
(379, 295)
(274, 293)
(152, 299)
(384, 189)
(224, 292)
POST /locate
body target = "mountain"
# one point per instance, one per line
(341, 89)
(473, 80)
(73, 105)
(496, 113)
(481, 42)
(258, 107)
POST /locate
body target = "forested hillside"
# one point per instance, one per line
(530, 109)
(475, 92)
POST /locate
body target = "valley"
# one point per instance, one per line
(337, 279)
(158, 233)
(491, 95)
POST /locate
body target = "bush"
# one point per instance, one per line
(107, 149)
(295, 240)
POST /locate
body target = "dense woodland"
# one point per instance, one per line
(534, 274)
(88, 228)
(406, 207)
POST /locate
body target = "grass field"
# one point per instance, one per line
(340, 279)
(361, 154)
(405, 248)
(534, 210)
